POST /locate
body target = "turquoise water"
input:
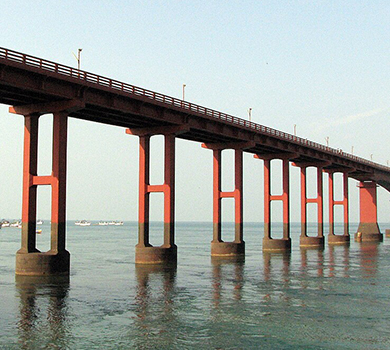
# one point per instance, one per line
(338, 298)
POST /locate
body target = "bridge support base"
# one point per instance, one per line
(338, 239)
(368, 230)
(387, 233)
(43, 264)
(226, 249)
(311, 242)
(276, 245)
(156, 255)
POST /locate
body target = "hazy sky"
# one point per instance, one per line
(322, 65)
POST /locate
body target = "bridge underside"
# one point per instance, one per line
(33, 91)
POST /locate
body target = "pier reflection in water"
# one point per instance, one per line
(154, 312)
(43, 311)
(339, 261)
(306, 299)
(369, 258)
(227, 277)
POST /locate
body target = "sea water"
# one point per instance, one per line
(338, 298)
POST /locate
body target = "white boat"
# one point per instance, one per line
(39, 222)
(5, 223)
(118, 223)
(103, 223)
(16, 224)
(84, 223)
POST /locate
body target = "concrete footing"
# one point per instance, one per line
(339, 239)
(276, 245)
(387, 233)
(311, 242)
(368, 237)
(155, 255)
(227, 249)
(42, 264)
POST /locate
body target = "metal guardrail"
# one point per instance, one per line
(84, 76)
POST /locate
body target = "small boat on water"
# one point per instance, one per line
(103, 223)
(16, 224)
(116, 223)
(39, 222)
(39, 231)
(4, 223)
(83, 223)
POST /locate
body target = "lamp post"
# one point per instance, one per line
(327, 141)
(250, 114)
(371, 156)
(184, 87)
(78, 57)
(295, 129)
(352, 150)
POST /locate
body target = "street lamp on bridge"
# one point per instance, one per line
(250, 114)
(184, 88)
(327, 141)
(78, 58)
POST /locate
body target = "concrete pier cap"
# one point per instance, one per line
(339, 239)
(311, 242)
(227, 249)
(42, 264)
(156, 255)
(276, 245)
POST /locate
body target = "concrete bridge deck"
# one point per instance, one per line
(26, 80)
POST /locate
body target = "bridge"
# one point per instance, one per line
(32, 86)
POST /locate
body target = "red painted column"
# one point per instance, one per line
(303, 203)
(30, 164)
(286, 199)
(331, 204)
(346, 204)
(333, 238)
(368, 228)
(143, 214)
(216, 196)
(145, 253)
(59, 160)
(29, 261)
(305, 240)
(218, 246)
(238, 197)
(267, 199)
(320, 202)
(169, 192)
(269, 243)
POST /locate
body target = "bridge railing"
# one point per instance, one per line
(84, 76)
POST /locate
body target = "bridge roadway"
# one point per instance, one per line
(26, 80)
(33, 86)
